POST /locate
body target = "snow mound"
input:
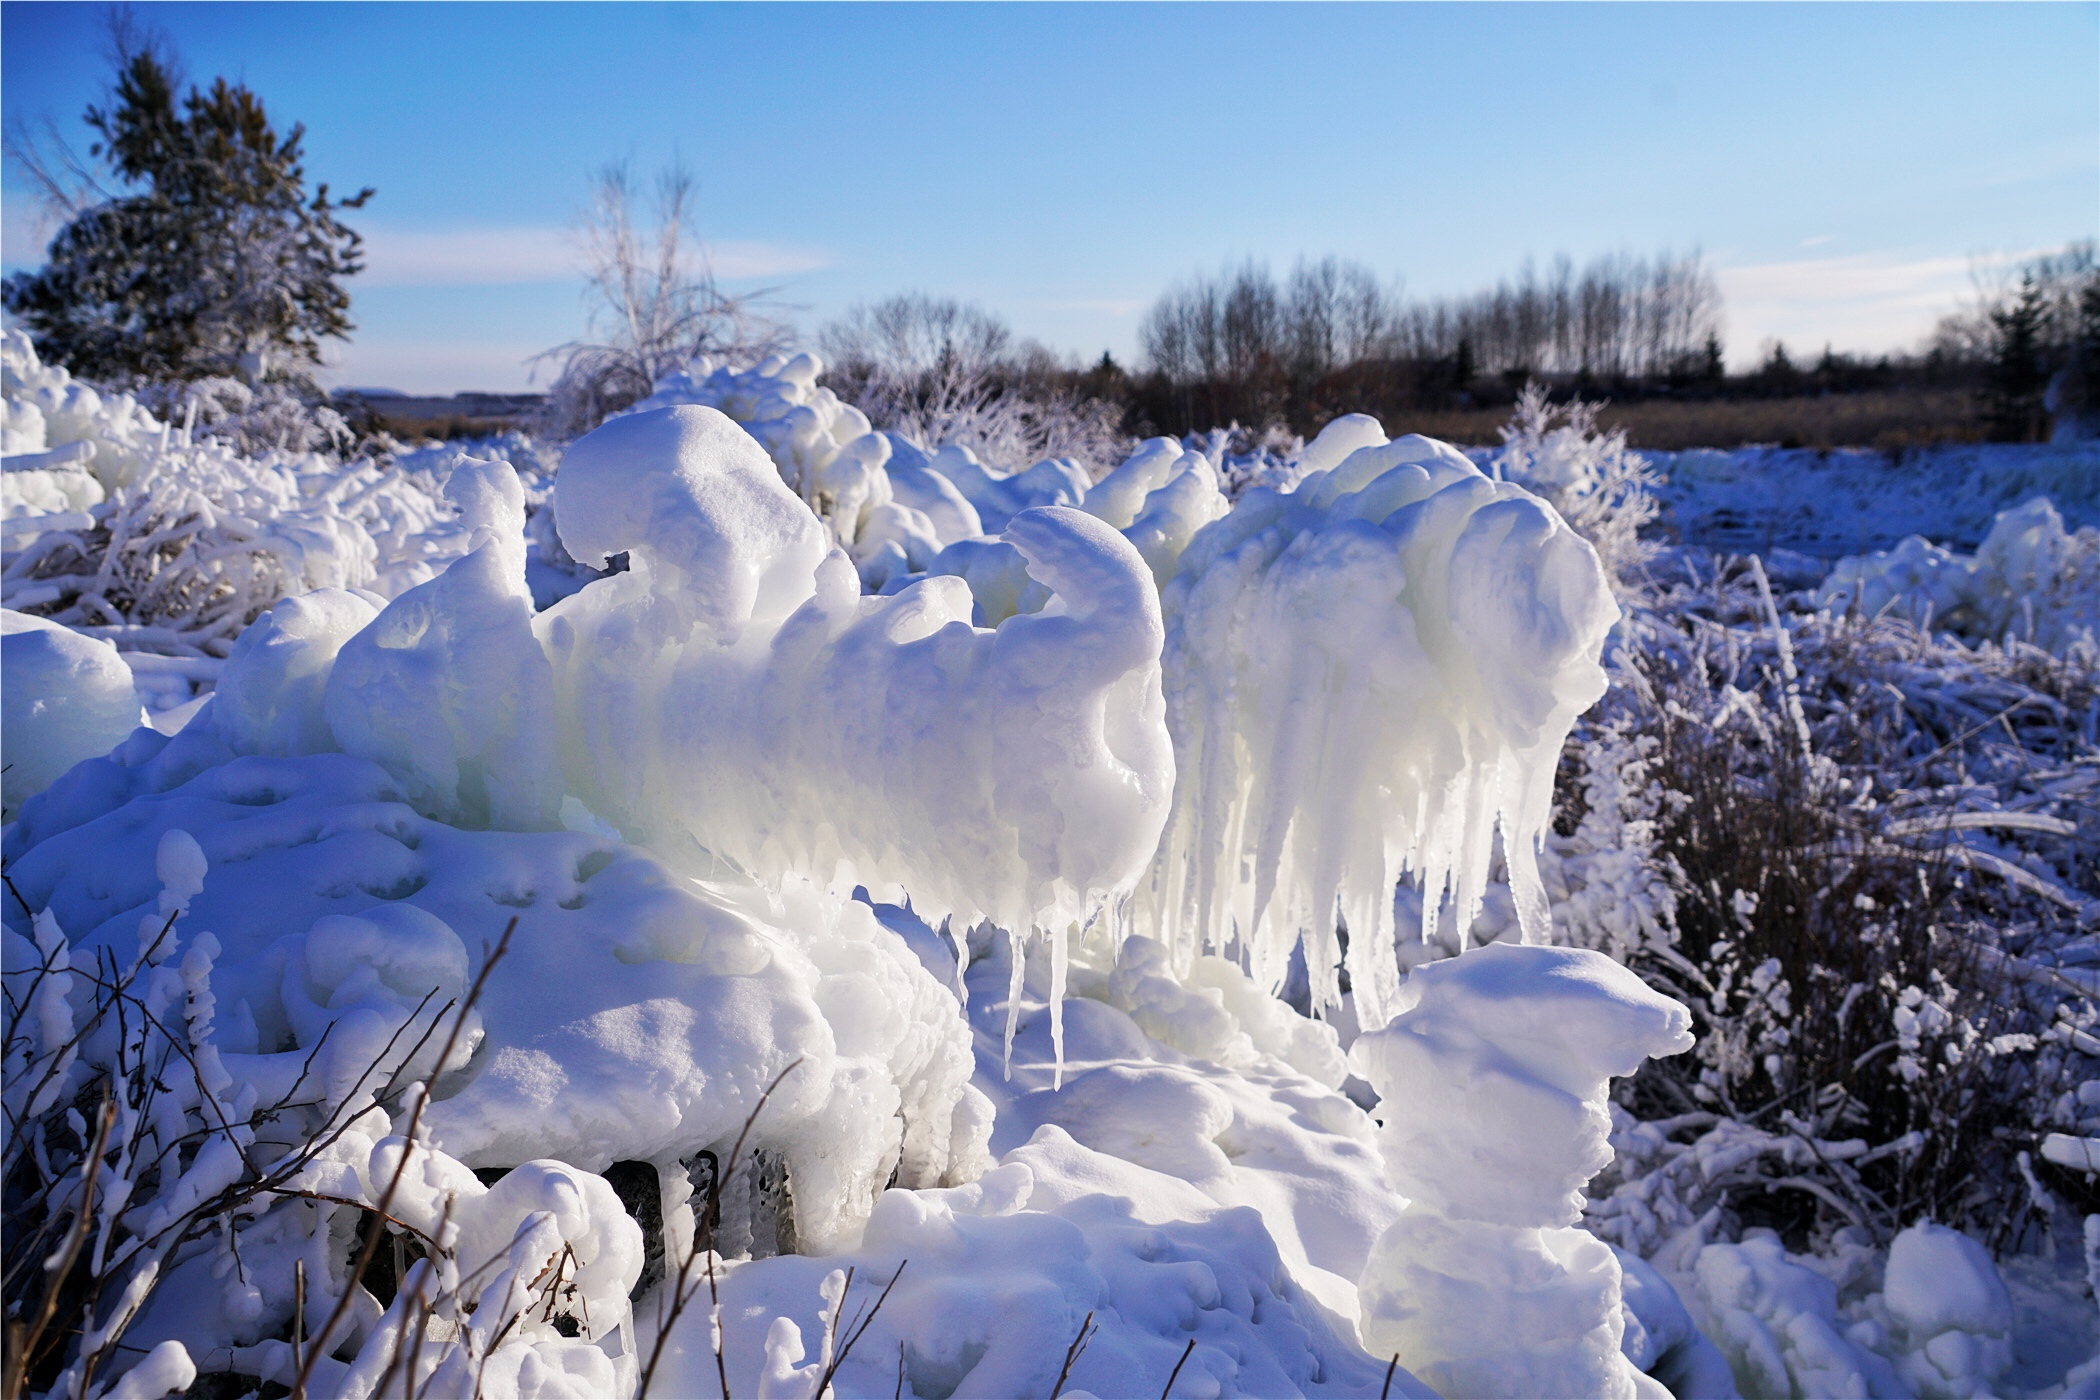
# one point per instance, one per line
(67, 698)
(1370, 674)
(1951, 1309)
(447, 688)
(1493, 1081)
(637, 1016)
(2030, 578)
(996, 1281)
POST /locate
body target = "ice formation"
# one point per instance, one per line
(824, 449)
(733, 694)
(1369, 674)
(447, 688)
(2030, 579)
(866, 485)
(66, 697)
(1493, 1080)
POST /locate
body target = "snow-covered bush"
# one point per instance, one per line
(1875, 865)
(197, 1188)
(2030, 578)
(254, 418)
(1603, 490)
(941, 373)
(125, 528)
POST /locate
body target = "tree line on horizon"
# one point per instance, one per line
(203, 256)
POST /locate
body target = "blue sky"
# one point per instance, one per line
(1844, 167)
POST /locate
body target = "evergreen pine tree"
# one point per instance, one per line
(1463, 370)
(217, 262)
(2019, 371)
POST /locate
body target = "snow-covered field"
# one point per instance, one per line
(751, 904)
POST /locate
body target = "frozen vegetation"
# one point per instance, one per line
(754, 902)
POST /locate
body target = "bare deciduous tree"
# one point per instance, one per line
(654, 303)
(941, 371)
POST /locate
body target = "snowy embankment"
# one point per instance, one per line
(871, 875)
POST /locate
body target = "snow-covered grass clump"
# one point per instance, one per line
(2029, 578)
(130, 529)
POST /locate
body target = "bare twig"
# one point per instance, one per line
(1072, 1352)
(386, 1197)
(23, 1347)
(1175, 1374)
(856, 1329)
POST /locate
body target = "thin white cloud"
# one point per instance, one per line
(1859, 302)
(736, 261)
(1111, 306)
(465, 256)
(1818, 241)
(434, 366)
(509, 255)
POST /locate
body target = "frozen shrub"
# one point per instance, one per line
(1444, 629)
(1867, 885)
(167, 543)
(1603, 490)
(2029, 578)
(939, 373)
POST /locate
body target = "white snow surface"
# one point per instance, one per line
(1175, 733)
(67, 698)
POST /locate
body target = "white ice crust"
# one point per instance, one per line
(734, 691)
(1368, 675)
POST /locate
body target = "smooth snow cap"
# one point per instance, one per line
(66, 698)
(689, 491)
(1940, 1280)
(1341, 437)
